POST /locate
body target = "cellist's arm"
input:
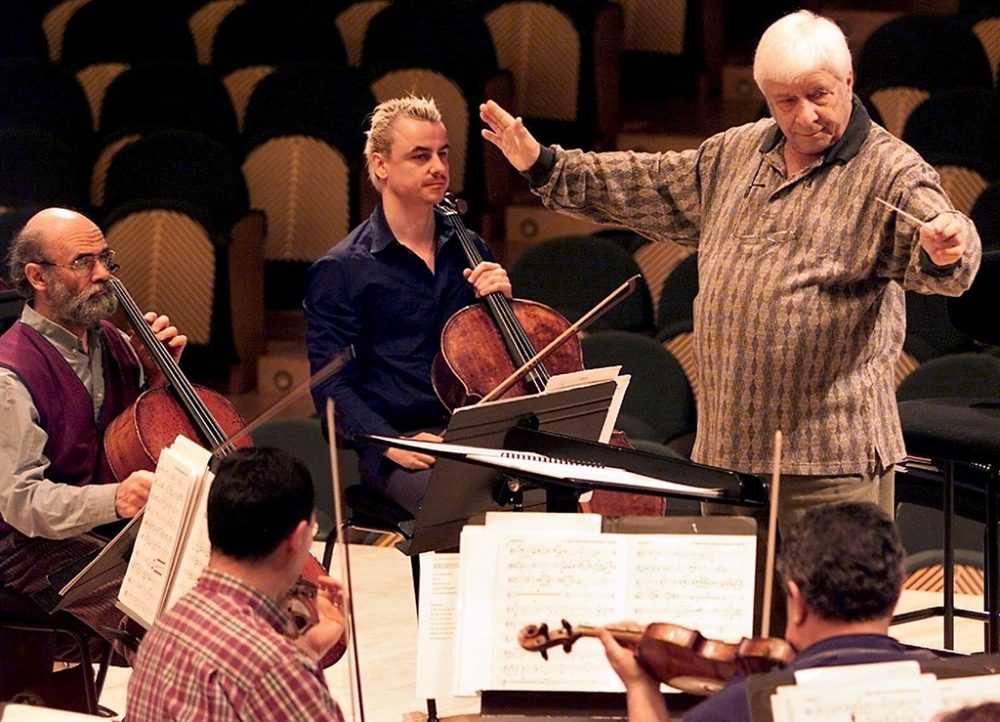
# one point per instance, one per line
(642, 692)
(132, 492)
(29, 501)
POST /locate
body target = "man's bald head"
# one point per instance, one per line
(41, 268)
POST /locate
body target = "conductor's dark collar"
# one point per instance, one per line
(844, 149)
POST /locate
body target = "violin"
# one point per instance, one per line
(482, 344)
(674, 655)
(135, 438)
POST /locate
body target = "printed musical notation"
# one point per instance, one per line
(698, 580)
(171, 546)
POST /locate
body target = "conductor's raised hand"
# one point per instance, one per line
(414, 460)
(509, 135)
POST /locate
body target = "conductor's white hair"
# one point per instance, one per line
(798, 44)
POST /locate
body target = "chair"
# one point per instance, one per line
(659, 404)
(171, 261)
(961, 374)
(448, 36)
(675, 304)
(657, 260)
(675, 41)
(54, 20)
(102, 31)
(960, 435)
(21, 33)
(352, 24)
(565, 60)
(893, 79)
(304, 438)
(183, 165)
(956, 125)
(204, 21)
(39, 169)
(929, 331)
(155, 95)
(254, 38)
(104, 37)
(20, 615)
(303, 139)
(573, 273)
(40, 96)
(168, 94)
(985, 213)
(987, 29)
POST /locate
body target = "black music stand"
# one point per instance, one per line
(458, 492)
(964, 431)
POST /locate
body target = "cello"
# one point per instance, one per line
(484, 346)
(134, 439)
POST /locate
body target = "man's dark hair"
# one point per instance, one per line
(847, 559)
(27, 247)
(257, 498)
(985, 712)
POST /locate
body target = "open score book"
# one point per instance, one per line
(171, 546)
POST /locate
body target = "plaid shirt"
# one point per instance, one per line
(800, 316)
(219, 654)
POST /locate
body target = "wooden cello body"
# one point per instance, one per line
(134, 439)
(484, 344)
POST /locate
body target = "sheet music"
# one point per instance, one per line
(516, 578)
(534, 463)
(196, 548)
(593, 376)
(437, 620)
(957, 692)
(163, 531)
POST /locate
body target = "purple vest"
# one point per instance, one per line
(75, 446)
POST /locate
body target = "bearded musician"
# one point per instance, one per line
(65, 373)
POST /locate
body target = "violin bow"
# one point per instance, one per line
(772, 525)
(610, 301)
(353, 668)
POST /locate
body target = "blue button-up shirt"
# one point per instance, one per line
(371, 292)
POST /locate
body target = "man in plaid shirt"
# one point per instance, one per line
(229, 649)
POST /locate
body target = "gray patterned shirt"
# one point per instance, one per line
(800, 316)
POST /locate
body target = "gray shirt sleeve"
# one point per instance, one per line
(29, 502)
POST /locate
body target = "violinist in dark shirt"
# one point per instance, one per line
(387, 290)
(842, 568)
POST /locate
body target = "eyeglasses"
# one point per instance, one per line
(84, 265)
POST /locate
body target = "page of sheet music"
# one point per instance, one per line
(145, 583)
(437, 622)
(196, 548)
(474, 604)
(702, 581)
(957, 692)
(881, 698)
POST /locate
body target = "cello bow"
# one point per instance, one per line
(610, 301)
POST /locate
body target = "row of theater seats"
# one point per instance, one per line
(227, 131)
(931, 80)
